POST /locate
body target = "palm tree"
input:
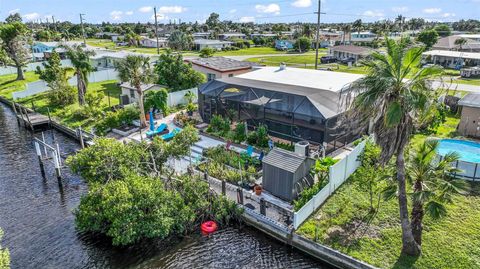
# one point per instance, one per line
(347, 28)
(394, 93)
(137, 71)
(357, 25)
(460, 42)
(80, 59)
(433, 184)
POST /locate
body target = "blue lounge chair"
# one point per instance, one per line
(171, 135)
(249, 151)
(160, 129)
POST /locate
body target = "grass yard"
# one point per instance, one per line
(8, 84)
(468, 81)
(69, 115)
(451, 242)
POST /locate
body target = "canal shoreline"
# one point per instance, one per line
(290, 238)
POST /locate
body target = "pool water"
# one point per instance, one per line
(469, 151)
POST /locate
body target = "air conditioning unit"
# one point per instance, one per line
(302, 148)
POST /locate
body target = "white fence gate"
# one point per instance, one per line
(178, 98)
(338, 173)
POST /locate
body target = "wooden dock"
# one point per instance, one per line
(30, 119)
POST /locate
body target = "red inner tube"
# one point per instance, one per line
(208, 226)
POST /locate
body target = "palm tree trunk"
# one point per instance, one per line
(417, 215)
(81, 89)
(409, 246)
(143, 120)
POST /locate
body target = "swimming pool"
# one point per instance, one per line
(469, 151)
(469, 162)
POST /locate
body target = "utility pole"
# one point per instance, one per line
(83, 29)
(156, 28)
(317, 42)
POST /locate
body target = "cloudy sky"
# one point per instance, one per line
(240, 10)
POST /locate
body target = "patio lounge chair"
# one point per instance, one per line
(161, 129)
(171, 135)
(249, 151)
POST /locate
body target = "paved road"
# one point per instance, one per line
(456, 86)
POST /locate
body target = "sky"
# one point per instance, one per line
(259, 11)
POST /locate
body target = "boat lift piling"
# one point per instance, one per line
(55, 155)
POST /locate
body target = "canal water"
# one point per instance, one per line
(36, 215)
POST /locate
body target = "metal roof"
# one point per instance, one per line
(357, 50)
(454, 54)
(470, 100)
(222, 64)
(284, 160)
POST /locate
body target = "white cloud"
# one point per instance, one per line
(399, 9)
(129, 13)
(232, 11)
(145, 9)
(31, 16)
(171, 9)
(116, 15)
(271, 8)
(373, 13)
(433, 10)
(448, 15)
(302, 3)
(247, 19)
(13, 11)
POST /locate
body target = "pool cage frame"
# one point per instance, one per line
(288, 116)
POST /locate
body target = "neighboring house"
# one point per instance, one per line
(230, 36)
(105, 35)
(46, 48)
(347, 51)
(295, 104)
(475, 37)
(38, 57)
(452, 59)
(152, 42)
(130, 94)
(283, 44)
(470, 117)
(106, 59)
(41, 47)
(199, 44)
(264, 35)
(361, 37)
(220, 67)
(448, 43)
(201, 35)
(116, 37)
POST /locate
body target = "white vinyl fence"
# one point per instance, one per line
(30, 67)
(178, 98)
(338, 173)
(41, 86)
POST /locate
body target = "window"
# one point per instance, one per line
(210, 76)
(132, 94)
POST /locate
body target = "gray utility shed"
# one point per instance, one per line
(284, 172)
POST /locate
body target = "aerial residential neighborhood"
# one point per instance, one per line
(232, 134)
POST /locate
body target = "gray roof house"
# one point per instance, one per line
(199, 44)
(285, 173)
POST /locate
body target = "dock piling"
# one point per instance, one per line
(224, 187)
(40, 160)
(80, 136)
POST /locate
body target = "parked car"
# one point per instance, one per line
(347, 60)
(328, 59)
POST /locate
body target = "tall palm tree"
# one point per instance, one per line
(80, 59)
(394, 93)
(433, 184)
(137, 71)
(357, 25)
(347, 28)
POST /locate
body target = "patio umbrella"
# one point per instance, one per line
(152, 123)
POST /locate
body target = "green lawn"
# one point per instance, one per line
(452, 242)
(469, 81)
(69, 115)
(8, 84)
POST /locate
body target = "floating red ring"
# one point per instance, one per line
(208, 226)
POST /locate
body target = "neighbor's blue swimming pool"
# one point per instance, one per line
(468, 150)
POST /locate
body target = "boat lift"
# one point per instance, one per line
(46, 152)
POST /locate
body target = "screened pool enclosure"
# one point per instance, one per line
(291, 113)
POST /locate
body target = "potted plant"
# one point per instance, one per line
(191, 107)
(258, 190)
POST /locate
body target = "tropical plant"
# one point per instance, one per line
(14, 39)
(321, 169)
(394, 93)
(433, 184)
(303, 44)
(428, 37)
(4, 255)
(179, 40)
(157, 99)
(369, 175)
(357, 25)
(136, 70)
(240, 132)
(460, 43)
(206, 52)
(80, 59)
(218, 125)
(174, 73)
(190, 96)
(443, 30)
